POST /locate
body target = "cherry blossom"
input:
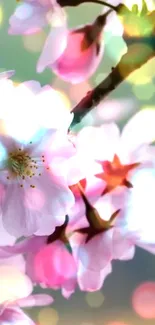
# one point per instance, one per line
(82, 54)
(34, 189)
(30, 189)
(97, 239)
(31, 16)
(48, 260)
(11, 313)
(113, 157)
(16, 292)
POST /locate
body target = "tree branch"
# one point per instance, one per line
(74, 3)
(140, 50)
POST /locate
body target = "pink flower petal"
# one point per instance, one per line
(133, 135)
(59, 200)
(17, 261)
(14, 315)
(54, 202)
(96, 253)
(18, 220)
(9, 143)
(7, 74)
(92, 138)
(53, 48)
(123, 247)
(55, 266)
(27, 18)
(75, 65)
(147, 246)
(5, 237)
(90, 280)
(35, 300)
(24, 246)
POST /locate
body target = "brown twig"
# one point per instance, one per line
(140, 51)
(74, 3)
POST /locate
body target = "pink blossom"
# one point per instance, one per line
(81, 56)
(11, 313)
(99, 237)
(55, 267)
(16, 291)
(31, 16)
(6, 74)
(14, 315)
(113, 157)
(139, 212)
(34, 193)
(95, 256)
(48, 264)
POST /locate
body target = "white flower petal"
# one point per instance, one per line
(139, 130)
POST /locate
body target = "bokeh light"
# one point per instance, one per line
(117, 323)
(48, 316)
(115, 109)
(94, 299)
(143, 300)
(13, 283)
(99, 78)
(144, 92)
(65, 99)
(1, 15)
(150, 5)
(34, 42)
(76, 92)
(143, 75)
(86, 323)
(141, 209)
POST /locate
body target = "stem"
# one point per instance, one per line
(104, 3)
(74, 3)
(59, 233)
(92, 215)
(140, 51)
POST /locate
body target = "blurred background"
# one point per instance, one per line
(115, 303)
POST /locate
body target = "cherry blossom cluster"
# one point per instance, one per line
(70, 202)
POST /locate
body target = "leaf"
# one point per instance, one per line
(144, 10)
(135, 9)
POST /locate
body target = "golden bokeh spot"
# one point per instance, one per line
(150, 5)
(48, 316)
(13, 284)
(34, 42)
(3, 129)
(1, 15)
(148, 107)
(16, 83)
(143, 75)
(144, 92)
(65, 99)
(138, 54)
(94, 299)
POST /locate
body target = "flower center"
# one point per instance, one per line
(115, 173)
(20, 165)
